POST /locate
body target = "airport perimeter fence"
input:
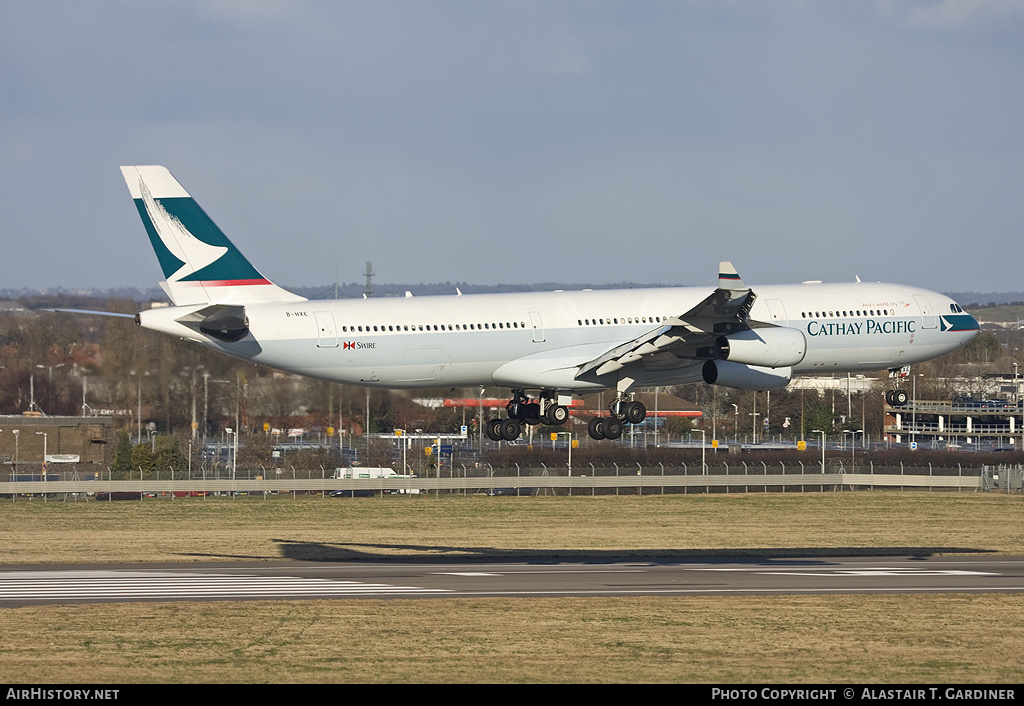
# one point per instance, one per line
(835, 476)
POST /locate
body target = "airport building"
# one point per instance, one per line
(69, 444)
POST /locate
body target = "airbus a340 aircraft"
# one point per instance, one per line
(544, 347)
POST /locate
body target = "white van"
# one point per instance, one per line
(373, 472)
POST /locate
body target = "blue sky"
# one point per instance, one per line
(519, 141)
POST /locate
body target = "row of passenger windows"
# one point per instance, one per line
(433, 327)
(858, 312)
(622, 320)
(599, 322)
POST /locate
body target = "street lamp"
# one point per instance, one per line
(914, 409)
(818, 431)
(853, 444)
(703, 451)
(138, 411)
(234, 454)
(44, 454)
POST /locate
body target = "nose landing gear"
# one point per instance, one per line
(897, 397)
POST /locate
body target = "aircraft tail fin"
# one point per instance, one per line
(728, 277)
(200, 265)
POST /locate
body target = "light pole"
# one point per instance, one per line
(753, 419)
(138, 409)
(568, 434)
(819, 431)
(703, 451)
(17, 434)
(853, 444)
(44, 456)
(233, 433)
(913, 432)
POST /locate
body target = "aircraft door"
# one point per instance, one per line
(777, 311)
(328, 332)
(538, 327)
(928, 318)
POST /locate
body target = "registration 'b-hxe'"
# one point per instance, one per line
(544, 347)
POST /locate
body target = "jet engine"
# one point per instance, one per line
(770, 347)
(745, 377)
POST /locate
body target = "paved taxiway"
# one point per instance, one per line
(24, 585)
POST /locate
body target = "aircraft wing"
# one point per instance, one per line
(686, 339)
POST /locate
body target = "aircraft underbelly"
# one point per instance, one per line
(554, 368)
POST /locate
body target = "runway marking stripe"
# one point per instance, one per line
(843, 572)
(67, 585)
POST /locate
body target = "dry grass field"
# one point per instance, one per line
(777, 639)
(476, 526)
(832, 639)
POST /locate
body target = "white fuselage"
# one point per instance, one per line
(540, 340)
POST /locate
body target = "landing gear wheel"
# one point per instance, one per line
(493, 429)
(900, 398)
(557, 415)
(612, 428)
(635, 412)
(510, 429)
(531, 413)
(596, 428)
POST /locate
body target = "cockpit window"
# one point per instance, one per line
(955, 308)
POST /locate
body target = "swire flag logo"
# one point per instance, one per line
(349, 344)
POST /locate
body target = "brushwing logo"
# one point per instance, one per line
(190, 250)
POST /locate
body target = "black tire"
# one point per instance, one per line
(888, 398)
(557, 415)
(493, 429)
(900, 398)
(596, 428)
(612, 428)
(531, 413)
(635, 412)
(510, 429)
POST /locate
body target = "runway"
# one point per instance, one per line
(25, 585)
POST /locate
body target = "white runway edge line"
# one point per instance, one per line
(71, 585)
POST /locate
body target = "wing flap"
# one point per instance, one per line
(685, 339)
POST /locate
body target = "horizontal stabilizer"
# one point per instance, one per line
(94, 313)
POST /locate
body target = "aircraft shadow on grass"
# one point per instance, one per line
(345, 551)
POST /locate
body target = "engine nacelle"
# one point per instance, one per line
(775, 347)
(745, 377)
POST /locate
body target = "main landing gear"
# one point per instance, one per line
(897, 397)
(623, 411)
(521, 410)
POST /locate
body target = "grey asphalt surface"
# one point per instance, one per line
(50, 584)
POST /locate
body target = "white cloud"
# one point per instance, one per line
(954, 15)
